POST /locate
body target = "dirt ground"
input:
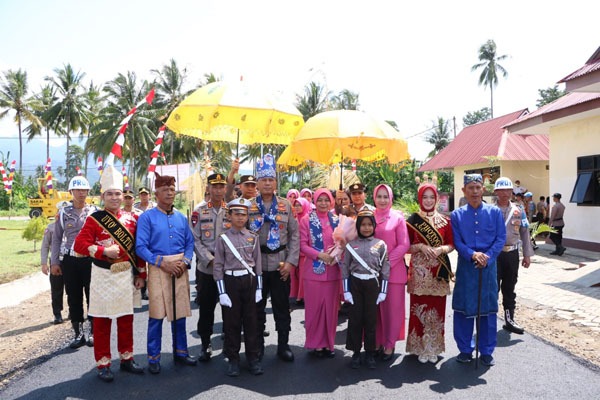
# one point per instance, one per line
(28, 337)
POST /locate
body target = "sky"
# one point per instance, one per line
(410, 62)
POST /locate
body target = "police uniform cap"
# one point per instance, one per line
(143, 189)
(239, 205)
(357, 187)
(247, 179)
(215, 179)
(128, 193)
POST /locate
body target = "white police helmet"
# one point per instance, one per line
(79, 182)
(503, 183)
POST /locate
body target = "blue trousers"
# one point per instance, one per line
(463, 333)
(155, 338)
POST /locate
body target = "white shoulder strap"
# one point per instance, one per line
(236, 253)
(361, 261)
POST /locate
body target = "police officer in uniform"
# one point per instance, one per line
(357, 196)
(209, 220)
(237, 272)
(75, 268)
(271, 217)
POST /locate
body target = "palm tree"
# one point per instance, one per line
(345, 100)
(46, 98)
(491, 68)
(13, 96)
(70, 111)
(123, 93)
(438, 136)
(313, 101)
(94, 102)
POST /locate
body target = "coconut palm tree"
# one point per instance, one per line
(345, 100)
(13, 97)
(313, 101)
(95, 103)
(70, 111)
(438, 136)
(122, 94)
(47, 98)
(491, 68)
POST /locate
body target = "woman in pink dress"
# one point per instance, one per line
(301, 207)
(322, 276)
(391, 228)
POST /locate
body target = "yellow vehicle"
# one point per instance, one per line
(47, 204)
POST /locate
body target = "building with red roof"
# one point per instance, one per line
(489, 149)
(572, 123)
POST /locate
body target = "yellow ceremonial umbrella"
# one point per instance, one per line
(236, 112)
(333, 136)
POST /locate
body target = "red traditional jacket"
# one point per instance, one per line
(92, 239)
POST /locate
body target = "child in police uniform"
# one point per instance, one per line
(238, 274)
(365, 263)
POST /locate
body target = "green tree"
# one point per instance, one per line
(490, 68)
(75, 155)
(313, 101)
(94, 102)
(438, 136)
(345, 100)
(122, 94)
(549, 95)
(13, 97)
(475, 117)
(70, 111)
(35, 230)
(46, 98)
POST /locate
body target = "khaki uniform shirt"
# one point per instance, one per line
(246, 243)
(208, 223)
(69, 222)
(288, 231)
(373, 251)
(515, 231)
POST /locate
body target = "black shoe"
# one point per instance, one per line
(535, 247)
(387, 357)
(370, 360)
(205, 354)
(256, 368)
(464, 358)
(234, 369)
(284, 353)
(561, 251)
(487, 360)
(317, 353)
(131, 366)
(57, 319)
(554, 253)
(79, 339)
(510, 324)
(105, 374)
(355, 363)
(185, 360)
(154, 368)
(329, 353)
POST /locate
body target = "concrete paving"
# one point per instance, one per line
(527, 368)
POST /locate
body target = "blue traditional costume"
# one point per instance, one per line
(482, 230)
(161, 236)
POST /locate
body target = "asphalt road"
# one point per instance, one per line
(526, 368)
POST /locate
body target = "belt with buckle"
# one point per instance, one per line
(266, 250)
(363, 277)
(513, 247)
(237, 272)
(73, 253)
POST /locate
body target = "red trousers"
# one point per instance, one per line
(102, 328)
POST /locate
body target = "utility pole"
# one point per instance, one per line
(454, 122)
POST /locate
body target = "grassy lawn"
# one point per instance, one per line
(18, 257)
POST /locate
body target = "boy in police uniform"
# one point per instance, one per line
(238, 275)
(209, 221)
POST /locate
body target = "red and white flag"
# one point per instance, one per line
(117, 149)
(155, 152)
(49, 176)
(4, 176)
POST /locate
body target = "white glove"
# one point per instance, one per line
(348, 297)
(258, 295)
(381, 297)
(225, 300)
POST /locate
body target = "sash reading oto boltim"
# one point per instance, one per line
(433, 238)
(120, 235)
